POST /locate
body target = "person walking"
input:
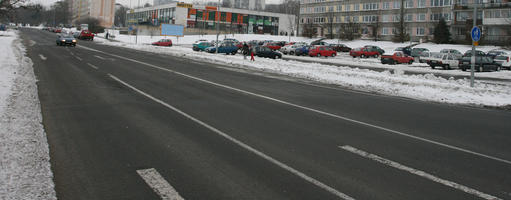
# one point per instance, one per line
(245, 50)
(252, 55)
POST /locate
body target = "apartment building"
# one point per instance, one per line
(104, 10)
(379, 18)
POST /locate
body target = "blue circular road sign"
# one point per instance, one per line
(476, 34)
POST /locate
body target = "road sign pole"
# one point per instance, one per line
(473, 60)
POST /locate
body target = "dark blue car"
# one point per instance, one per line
(227, 48)
(302, 51)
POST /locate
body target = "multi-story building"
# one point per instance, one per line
(380, 18)
(249, 4)
(162, 2)
(103, 10)
(200, 19)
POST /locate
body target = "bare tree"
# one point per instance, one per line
(349, 30)
(120, 16)
(7, 6)
(329, 25)
(308, 29)
(401, 35)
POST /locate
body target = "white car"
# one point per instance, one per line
(289, 49)
(426, 56)
(446, 61)
(503, 60)
(454, 52)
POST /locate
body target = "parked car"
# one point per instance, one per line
(375, 48)
(322, 51)
(163, 42)
(495, 53)
(397, 57)
(364, 52)
(446, 61)
(289, 49)
(416, 52)
(503, 60)
(227, 48)
(200, 40)
(263, 51)
(454, 52)
(318, 42)
(273, 46)
(478, 53)
(483, 63)
(63, 40)
(201, 46)
(302, 51)
(231, 40)
(426, 56)
(405, 50)
(86, 35)
(76, 34)
(339, 47)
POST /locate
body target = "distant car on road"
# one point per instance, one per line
(397, 57)
(302, 51)
(163, 42)
(405, 50)
(273, 46)
(289, 49)
(63, 40)
(266, 52)
(478, 53)
(322, 51)
(86, 35)
(375, 48)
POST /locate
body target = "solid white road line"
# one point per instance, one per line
(42, 57)
(99, 57)
(418, 173)
(241, 144)
(72, 53)
(313, 110)
(91, 65)
(78, 58)
(159, 184)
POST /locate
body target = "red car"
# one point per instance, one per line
(364, 52)
(274, 46)
(322, 51)
(398, 57)
(58, 30)
(86, 35)
(163, 42)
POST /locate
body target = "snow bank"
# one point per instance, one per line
(424, 87)
(24, 156)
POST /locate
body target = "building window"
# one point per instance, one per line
(385, 18)
(408, 17)
(409, 4)
(385, 31)
(420, 31)
(397, 5)
(370, 6)
(421, 3)
(356, 7)
(386, 5)
(440, 3)
(347, 7)
(421, 17)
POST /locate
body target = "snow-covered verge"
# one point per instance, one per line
(24, 156)
(341, 58)
(423, 87)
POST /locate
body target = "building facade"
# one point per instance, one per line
(162, 2)
(249, 4)
(199, 19)
(103, 10)
(370, 19)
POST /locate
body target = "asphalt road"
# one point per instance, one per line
(212, 132)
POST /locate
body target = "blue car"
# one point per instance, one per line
(227, 48)
(302, 51)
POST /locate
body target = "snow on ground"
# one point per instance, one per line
(342, 58)
(24, 156)
(423, 87)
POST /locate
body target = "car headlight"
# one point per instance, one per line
(74, 40)
(63, 40)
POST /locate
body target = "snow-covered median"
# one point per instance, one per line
(24, 156)
(423, 87)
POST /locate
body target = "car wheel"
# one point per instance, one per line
(233, 53)
(318, 55)
(498, 69)
(362, 56)
(448, 67)
(354, 56)
(376, 56)
(432, 67)
(480, 69)
(291, 53)
(410, 62)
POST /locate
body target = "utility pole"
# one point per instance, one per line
(217, 26)
(136, 36)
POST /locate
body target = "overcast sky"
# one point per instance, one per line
(133, 2)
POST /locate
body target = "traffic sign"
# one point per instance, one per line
(476, 34)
